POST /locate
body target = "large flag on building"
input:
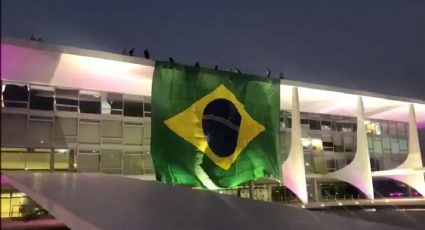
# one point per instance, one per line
(213, 128)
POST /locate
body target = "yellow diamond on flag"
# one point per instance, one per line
(218, 125)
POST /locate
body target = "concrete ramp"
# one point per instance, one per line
(99, 201)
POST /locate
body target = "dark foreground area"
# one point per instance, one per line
(48, 224)
(410, 218)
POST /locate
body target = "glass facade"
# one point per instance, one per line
(50, 128)
(329, 143)
(15, 204)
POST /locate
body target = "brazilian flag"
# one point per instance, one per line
(213, 129)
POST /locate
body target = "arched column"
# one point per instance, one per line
(409, 172)
(293, 169)
(358, 172)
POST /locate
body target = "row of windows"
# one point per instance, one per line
(320, 165)
(326, 191)
(387, 145)
(105, 160)
(377, 144)
(346, 124)
(334, 164)
(72, 100)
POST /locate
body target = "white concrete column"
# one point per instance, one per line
(409, 172)
(293, 169)
(358, 172)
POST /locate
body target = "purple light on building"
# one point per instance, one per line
(396, 194)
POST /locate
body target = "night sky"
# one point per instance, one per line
(376, 46)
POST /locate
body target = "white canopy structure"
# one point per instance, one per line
(94, 70)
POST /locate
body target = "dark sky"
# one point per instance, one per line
(376, 45)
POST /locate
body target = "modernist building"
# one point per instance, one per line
(80, 110)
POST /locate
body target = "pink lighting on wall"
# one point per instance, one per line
(326, 101)
(36, 66)
(100, 74)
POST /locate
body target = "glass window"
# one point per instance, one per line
(289, 123)
(14, 95)
(328, 146)
(320, 165)
(317, 144)
(338, 126)
(147, 107)
(90, 102)
(326, 136)
(344, 126)
(384, 128)
(305, 123)
(112, 103)
(309, 164)
(392, 129)
(373, 128)
(326, 125)
(41, 97)
(401, 129)
(347, 127)
(66, 100)
(315, 125)
(378, 130)
(314, 144)
(348, 143)
(338, 148)
(386, 145)
(285, 116)
(306, 142)
(369, 128)
(403, 146)
(331, 165)
(61, 159)
(133, 106)
(374, 164)
(327, 190)
(395, 147)
(337, 138)
(377, 145)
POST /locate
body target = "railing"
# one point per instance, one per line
(67, 108)
(14, 104)
(76, 97)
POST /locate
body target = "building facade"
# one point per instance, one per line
(79, 110)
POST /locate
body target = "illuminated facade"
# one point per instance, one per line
(79, 110)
